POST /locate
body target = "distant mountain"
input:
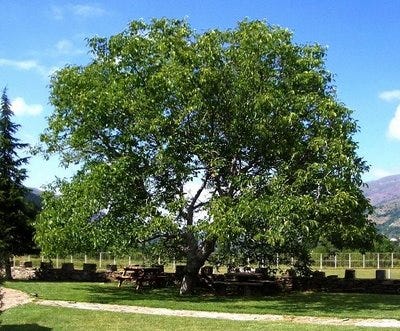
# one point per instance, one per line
(384, 195)
(34, 196)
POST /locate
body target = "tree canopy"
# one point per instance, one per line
(16, 230)
(231, 139)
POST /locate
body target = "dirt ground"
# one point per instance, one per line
(12, 298)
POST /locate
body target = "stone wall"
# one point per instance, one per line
(53, 274)
(23, 273)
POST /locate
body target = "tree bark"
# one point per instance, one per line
(191, 277)
(7, 268)
(196, 257)
(196, 254)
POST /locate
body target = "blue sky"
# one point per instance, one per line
(40, 36)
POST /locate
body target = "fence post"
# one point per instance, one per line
(129, 260)
(378, 262)
(100, 260)
(85, 258)
(391, 257)
(349, 260)
(320, 261)
(277, 260)
(335, 261)
(363, 257)
(72, 260)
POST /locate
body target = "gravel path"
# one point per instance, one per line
(13, 298)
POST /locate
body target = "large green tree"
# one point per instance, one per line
(232, 140)
(16, 214)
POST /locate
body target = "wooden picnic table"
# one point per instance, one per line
(246, 283)
(141, 275)
(250, 287)
(243, 276)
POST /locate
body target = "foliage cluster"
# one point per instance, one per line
(230, 140)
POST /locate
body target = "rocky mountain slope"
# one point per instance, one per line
(34, 195)
(384, 195)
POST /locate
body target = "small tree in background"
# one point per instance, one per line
(16, 232)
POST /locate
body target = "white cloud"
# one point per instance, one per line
(84, 11)
(26, 65)
(393, 95)
(87, 11)
(394, 125)
(53, 69)
(393, 131)
(376, 173)
(21, 65)
(29, 138)
(21, 108)
(57, 13)
(66, 47)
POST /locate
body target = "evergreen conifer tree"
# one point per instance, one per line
(16, 232)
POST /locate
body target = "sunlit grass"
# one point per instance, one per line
(343, 305)
(39, 318)
(366, 273)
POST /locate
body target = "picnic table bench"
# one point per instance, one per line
(141, 276)
(243, 283)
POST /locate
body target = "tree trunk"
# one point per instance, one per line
(196, 257)
(7, 268)
(191, 277)
(188, 284)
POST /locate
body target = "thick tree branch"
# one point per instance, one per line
(191, 208)
(158, 236)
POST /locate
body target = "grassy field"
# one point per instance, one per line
(35, 317)
(367, 273)
(299, 304)
(38, 318)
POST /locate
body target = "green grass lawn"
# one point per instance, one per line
(367, 273)
(32, 317)
(299, 304)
